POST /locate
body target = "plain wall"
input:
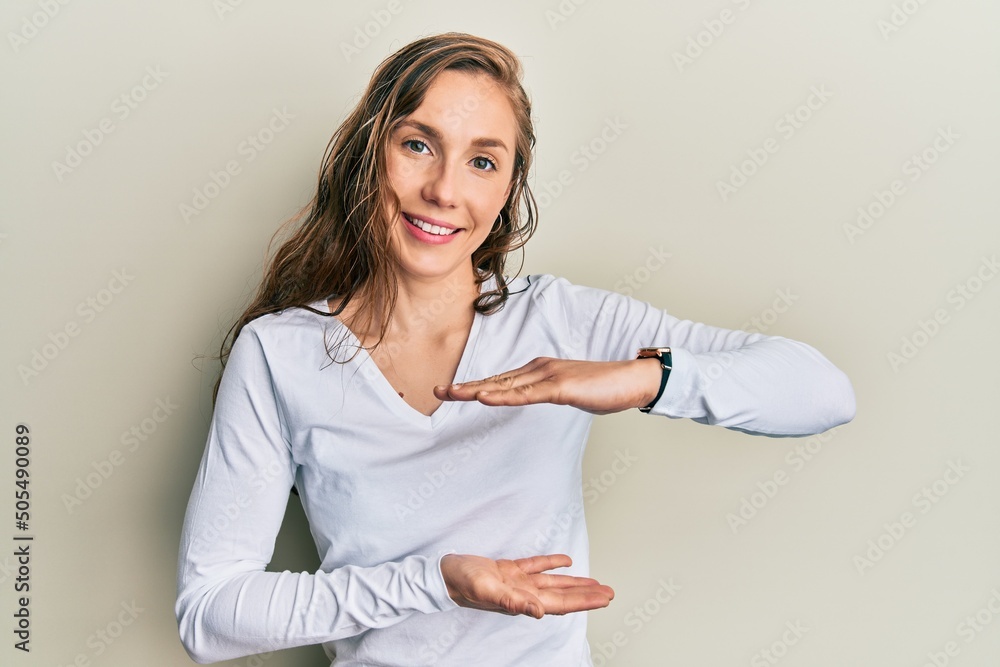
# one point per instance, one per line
(816, 114)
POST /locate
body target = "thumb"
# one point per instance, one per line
(521, 601)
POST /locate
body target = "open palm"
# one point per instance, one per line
(521, 586)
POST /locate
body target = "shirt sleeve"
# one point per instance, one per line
(227, 605)
(749, 382)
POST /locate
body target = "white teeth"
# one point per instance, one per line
(429, 228)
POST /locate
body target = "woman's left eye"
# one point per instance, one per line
(484, 163)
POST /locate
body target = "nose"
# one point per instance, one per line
(439, 187)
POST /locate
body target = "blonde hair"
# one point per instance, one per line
(341, 241)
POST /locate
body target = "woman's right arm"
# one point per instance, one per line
(227, 605)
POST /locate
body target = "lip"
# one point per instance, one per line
(425, 237)
(432, 221)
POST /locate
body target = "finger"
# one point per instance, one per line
(582, 598)
(502, 379)
(506, 380)
(465, 391)
(536, 564)
(497, 382)
(545, 580)
(505, 392)
(544, 390)
(450, 392)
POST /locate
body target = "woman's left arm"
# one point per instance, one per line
(750, 382)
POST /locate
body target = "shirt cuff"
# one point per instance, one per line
(681, 386)
(440, 592)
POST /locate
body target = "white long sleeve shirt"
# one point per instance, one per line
(388, 490)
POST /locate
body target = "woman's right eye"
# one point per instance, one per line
(410, 143)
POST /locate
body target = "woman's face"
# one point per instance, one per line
(450, 163)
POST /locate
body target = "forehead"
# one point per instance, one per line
(467, 104)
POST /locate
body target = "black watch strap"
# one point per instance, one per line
(666, 363)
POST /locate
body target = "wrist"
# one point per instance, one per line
(664, 358)
(651, 375)
(446, 561)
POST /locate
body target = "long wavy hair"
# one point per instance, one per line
(340, 243)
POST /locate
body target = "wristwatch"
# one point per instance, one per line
(666, 363)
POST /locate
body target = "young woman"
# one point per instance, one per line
(432, 412)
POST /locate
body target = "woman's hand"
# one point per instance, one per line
(521, 586)
(599, 387)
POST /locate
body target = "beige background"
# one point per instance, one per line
(682, 128)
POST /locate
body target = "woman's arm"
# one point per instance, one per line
(763, 385)
(227, 605)
(767, 385)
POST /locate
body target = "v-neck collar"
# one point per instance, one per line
(385, 390)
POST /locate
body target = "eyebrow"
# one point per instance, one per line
(478, 142)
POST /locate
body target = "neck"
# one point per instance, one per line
(425, 307)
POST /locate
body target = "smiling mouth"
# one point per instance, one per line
(429, 228)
